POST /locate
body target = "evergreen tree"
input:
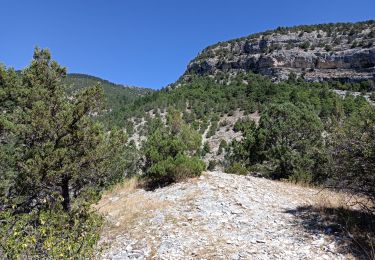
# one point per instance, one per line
(8, 82)
(170, 151)
(290, 138)
(61, 151)
(353, 150)
(288, 141)
(55, 160)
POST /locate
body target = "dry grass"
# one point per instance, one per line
(126, 205)
(340, 200)
(347, 212)
(330, 199)
(343, 211)
(128, 186)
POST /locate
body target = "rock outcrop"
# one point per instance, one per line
(344, 52)
(220, 216)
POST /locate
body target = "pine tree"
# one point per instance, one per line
(63, 154)
(55, 158)
(170, 151)
(8, 82)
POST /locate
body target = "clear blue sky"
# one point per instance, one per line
(149, 43)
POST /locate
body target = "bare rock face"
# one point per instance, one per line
(343, 52)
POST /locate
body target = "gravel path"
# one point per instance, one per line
(218, 216)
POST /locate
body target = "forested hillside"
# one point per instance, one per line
(116, 96)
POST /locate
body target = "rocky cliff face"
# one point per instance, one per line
(343, 52)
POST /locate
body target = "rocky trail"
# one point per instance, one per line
(218, 216)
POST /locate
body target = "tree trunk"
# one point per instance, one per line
(65, 193)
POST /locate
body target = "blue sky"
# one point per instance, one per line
(149, 42)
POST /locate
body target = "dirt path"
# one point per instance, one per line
(218, 216)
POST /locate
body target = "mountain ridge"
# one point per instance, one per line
(99, 79)
(117, 96)
(340, 51)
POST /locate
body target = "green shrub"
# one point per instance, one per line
(353, 152)
(168, 151)
(289, 46)
(328, 48)
(224, 123)
(49, 234)
(175, 169)
(211, 165)
(305, 46)
(206, 149)
(288, 139)
(213, 129)
(236, 168)
(223, 145)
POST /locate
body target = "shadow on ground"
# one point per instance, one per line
(353, 231)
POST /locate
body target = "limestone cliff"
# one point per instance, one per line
(344, 51)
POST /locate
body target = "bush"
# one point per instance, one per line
(288, 139)
(206, 149)
(52, 234)
(353, 153)
(236, 168)
(213, 129)
(223, 145)
(211, 165)
(328, 48)
(169, 151)
(224, 123)
(305, 46)
(175, 169)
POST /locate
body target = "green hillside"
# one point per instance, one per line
(117, 96)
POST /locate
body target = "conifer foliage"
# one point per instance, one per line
(55, 159)
(171, 151)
